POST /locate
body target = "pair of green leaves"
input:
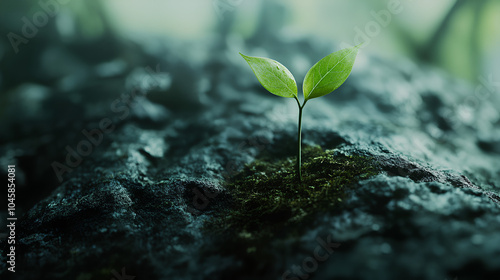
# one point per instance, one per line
(325, 76)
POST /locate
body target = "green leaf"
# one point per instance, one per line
(275, 77)
(329, 73)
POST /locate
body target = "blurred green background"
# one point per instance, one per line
(459, 36)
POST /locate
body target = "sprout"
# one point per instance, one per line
(324, 77)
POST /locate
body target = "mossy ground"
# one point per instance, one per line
(267, 194)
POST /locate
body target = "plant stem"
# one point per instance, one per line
(299, 141)
(299, 154)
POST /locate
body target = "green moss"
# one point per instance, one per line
(267, 195)
(103, 273)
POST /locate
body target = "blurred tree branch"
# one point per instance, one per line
(430, 50)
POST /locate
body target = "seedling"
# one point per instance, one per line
(324, 77)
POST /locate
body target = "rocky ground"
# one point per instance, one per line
(129, 165)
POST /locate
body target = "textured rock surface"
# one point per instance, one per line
(134, 203)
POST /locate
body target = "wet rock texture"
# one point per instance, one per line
(179, 129)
